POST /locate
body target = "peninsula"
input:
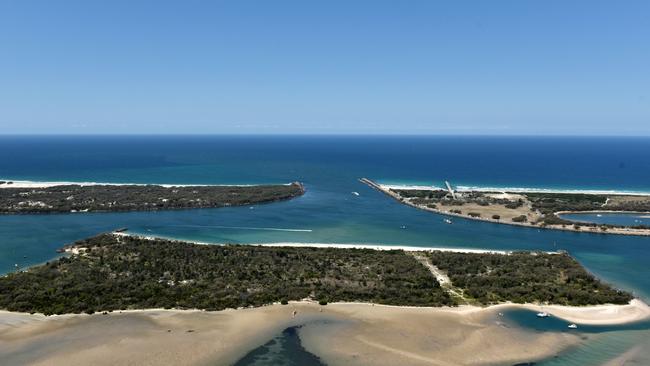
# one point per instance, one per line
(391, 306)
(524, 208)
(115, 271)
(35, 197)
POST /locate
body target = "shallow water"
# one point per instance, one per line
(329, 212)
(283, 349)
(621, 219)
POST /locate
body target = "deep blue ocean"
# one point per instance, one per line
(329, 167)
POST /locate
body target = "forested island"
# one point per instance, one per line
(132, 197)
(538, 209)
(116, 271)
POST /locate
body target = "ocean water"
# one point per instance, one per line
(329, 167)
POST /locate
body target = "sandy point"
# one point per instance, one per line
(339, 333)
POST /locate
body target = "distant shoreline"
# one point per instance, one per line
(515, 189)
(388, 190)
(26, 197)
(48, 184)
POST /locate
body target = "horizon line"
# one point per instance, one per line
(315, 135)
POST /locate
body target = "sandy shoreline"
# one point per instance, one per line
(384, 247)
(354, 334)
(36, 184)
(386, 189)
(636, 310)
(330, 245)
(515, 189)
(605, 212)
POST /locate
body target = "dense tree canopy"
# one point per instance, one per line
(526, 277)
(112, 272)
(67, 198)
(128, 272)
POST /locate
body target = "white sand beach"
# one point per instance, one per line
(514, 189)
(37, 184)
(331, 245)
(362, 334)
(383, 247)
(504, 215)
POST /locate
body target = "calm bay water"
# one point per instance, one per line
(625, 219)
(329, 212)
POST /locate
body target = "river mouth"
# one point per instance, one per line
(629, 219)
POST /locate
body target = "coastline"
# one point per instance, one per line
(340, 333)
(607, 314)
(48, 184)
(461, 335)
(516, 189)
(603, 211)
(328, 245)
(386, 189)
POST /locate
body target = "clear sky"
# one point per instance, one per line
(325, 67)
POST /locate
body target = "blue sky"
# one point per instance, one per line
(325, 67)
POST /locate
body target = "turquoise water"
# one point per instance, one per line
(329, 212)
(621, 219)
(529, 320)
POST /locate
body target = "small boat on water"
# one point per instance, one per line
(403, 227)
(355, 193)
(599, 215)
(542, 314)
(448, 221)
(572, 326)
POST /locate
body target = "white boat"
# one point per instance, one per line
(355, 193)
(402, 227)
(448, 221)
(599, 215)
(542, 314)
(573, 326)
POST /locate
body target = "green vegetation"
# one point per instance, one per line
(514, 204)
(122, 272)
(540, 206)
(98, 198)
(550, 203)
(526, 277)
(113, 272)
(520, 218)
(421, 193)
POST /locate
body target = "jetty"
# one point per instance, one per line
(451, 190)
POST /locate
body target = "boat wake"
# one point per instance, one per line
(248, 228)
